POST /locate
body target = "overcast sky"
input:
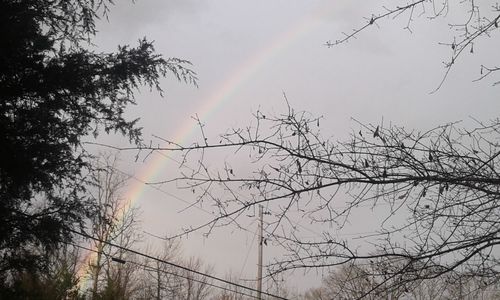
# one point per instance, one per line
(248, 53)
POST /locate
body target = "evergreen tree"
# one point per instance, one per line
(54, 92)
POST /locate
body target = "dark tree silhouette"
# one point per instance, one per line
(54, 91)
(439, 191)
(58, 281)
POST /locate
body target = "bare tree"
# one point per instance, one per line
(196, 287)
(178, 279)
(439, 189)
(121, 280)
(470, 21)
(162, 281)
(232, 292)
(112, 221)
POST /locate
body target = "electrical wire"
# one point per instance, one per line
(148, 268)
(173, 264)
(151, 269)
(248, 253)
(296, 223)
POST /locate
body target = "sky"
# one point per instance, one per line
(247, 55)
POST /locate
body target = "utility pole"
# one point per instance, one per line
(259, 263)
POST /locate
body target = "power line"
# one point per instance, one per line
(248, 253)
(152, 269)
(148, 268)
(173, 264)
(154, 186)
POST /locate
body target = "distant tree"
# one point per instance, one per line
(232, 292)
(112, 220)
(121, 280)
(58, 282)
(195, 287)
(54, 92)
(353, 281)
(161, 281)
(348, 282)
(356, 281)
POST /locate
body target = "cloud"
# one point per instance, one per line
(131, 19)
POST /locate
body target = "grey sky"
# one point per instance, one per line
(271, 47)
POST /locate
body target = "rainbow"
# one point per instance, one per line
(223, 93)
(218, 97)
